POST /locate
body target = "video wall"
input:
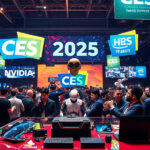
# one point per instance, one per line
(94, 74)
(126, 71)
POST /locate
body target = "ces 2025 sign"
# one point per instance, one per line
(132, 9)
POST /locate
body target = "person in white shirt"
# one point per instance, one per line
(16, 102)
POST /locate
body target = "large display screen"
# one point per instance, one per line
(63, 48)
(126, 71)
(18, 72)
(94, 74)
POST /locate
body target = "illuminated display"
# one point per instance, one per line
(62, 48)
(18, 72)
(94, 78)
(126, 71)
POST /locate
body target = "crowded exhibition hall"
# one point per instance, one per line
(74, 74)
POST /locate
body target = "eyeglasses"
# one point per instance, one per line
(72, 64)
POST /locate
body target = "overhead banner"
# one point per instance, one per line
(122, 45)
(25, 46)
(70, 81)
(113, 62)
(2, 63)
(132, 9)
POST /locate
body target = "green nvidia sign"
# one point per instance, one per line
(132, 9)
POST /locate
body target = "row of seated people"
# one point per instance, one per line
(94, 103)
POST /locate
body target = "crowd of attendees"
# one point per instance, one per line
(56, 101)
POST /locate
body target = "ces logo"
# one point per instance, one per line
(70, 81)
(25, 46)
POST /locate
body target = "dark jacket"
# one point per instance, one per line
(4, 106)
(135, 109)
(120, 104)
(96, 109)
(55, 97)
(49, 109)
(20, 96)
(146, 106)
(28, 106)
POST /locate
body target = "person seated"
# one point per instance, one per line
(96, 109)
(73, 106)
(134, 107)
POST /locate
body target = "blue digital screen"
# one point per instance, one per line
(103, 128)
(126, 71)
(63, 48)
(18, 72)
(140, 71)
(6, 85)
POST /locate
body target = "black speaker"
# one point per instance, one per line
(58, 143)
(71, 127)
(108, 138)
(92, 143)
(39, 132)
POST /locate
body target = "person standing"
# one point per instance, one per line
(133, 108)
(45, 107)
(96, 109)
(5, 107)
(16, 102)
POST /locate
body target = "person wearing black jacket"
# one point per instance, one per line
(28, 103)
(133, 108)
(45, 107)
(54, 95)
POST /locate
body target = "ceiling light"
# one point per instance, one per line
(44, 7)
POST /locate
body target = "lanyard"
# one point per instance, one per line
(129, 107)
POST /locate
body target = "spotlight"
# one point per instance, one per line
(1, 8)
(44, 7)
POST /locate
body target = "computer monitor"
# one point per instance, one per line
(134, 129)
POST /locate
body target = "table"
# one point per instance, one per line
(5, 145)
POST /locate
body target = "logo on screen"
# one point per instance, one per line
(140, 71)
(18, 72)
(70, 81)
(25, 46)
